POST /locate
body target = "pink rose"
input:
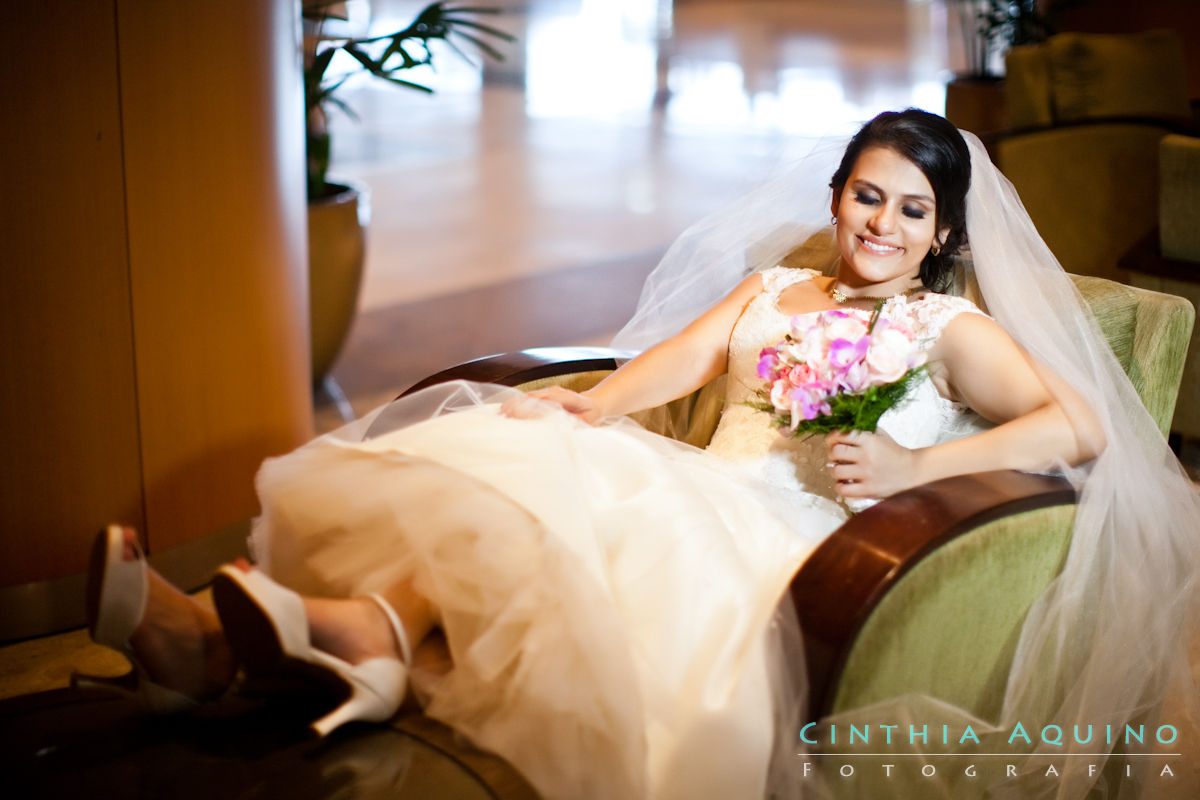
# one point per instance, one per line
(801, 374)
(890, 355)
(781, 395)
(802, 325)
(812, 349)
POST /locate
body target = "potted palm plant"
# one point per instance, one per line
(338, 211)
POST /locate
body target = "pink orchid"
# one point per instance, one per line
(844, 352)
(768, 363)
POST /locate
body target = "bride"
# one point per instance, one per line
(598, 604)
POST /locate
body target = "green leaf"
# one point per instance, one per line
(400, 81)
(479, 43)
(347, 110)
(361, 57)
(455, 22)
(320, 63)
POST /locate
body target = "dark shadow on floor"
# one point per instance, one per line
(71, 744)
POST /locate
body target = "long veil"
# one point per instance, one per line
(1109, 638)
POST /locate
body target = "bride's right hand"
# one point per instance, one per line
(578, 405)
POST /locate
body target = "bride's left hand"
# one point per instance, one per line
(870, 464)
(535, 404)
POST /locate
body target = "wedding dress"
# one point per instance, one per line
(1108, 640)
(609, 596)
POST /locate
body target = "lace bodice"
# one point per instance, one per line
(745, 435)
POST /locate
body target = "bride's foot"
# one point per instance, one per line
(357, 646)
(181, 643)
(355, 630)
(178, 651)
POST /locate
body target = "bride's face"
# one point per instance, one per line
(885, 220)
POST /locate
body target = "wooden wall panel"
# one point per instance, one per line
(153, 282)
(69, 445)
(212, 113)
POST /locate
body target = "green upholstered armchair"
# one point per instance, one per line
(1086, 114)
(926, 591)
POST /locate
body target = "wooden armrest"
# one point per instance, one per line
(840, 584)
(514, 369)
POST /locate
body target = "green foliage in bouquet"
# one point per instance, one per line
(849, 411)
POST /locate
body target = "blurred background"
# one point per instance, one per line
(522, 203)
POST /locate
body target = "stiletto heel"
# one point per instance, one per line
(267, 627)
(377, 689)
(116, 602)
(377, 686)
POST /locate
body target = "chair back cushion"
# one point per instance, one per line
(1075, 76)
(1149, 333)
(1179, 197)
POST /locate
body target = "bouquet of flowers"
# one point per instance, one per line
(838, 370)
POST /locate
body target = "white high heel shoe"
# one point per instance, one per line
(116, 602)
(376, 686)
(264, 622)
(267, 627)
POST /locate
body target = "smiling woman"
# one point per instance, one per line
(899, 179)
(887, 221)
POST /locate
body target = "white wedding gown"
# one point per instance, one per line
(608, 596)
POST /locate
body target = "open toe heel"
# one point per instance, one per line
(117, 591)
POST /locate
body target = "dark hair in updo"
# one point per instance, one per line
(939, 151)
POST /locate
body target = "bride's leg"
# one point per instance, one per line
(355, 629)
(179, 641)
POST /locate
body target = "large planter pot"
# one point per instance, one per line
(337, 225)
(977, 104)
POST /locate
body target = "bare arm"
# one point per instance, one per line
(1041, 420)
(669, 370)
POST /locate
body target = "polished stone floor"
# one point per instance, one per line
(524, 209)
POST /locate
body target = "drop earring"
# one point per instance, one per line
(833, 220)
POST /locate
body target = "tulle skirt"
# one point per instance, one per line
(609, 597)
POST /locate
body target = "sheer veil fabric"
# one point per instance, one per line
(1109, 638)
